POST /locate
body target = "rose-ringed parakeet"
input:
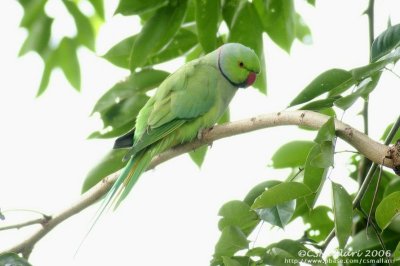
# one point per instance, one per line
(186, 102)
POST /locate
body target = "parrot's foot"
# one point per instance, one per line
(203, 132)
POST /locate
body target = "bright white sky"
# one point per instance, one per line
(170, 217)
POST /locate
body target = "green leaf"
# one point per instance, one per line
(85, 31)
(285, 249)
(32, 11)
(393, 185)
(333, 79)
(232, 240)
(135, 7)
(320, 104)
(68, 61)
(38, 36)
(138, 82)
(292, 154)
(386, 133)
(238, 213)
(11, 259)
(119, 54)
(49, 64)
(256, 191)
(124, 112)
(372, 69)
(111, 132)
(345, 102)
(207, 21)
(110, 163)
(326, 132)
(325, 158)
(343, 213)
(386, 42)
(370, 194)
(303, 32)
(98, 7)
(278, 20)
(157, 32)
(278, 215)
(183, 41)
(195, 53)
(314, 177)
(364, 89)
(387, 210)
(281, 193)
(229, 10)
(396, 253)
(367, 240)
(246, 29)
(230, 262)
(320, 223)
(198, 155)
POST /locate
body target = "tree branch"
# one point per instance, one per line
(366, 146)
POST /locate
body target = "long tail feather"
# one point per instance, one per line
(122, 186)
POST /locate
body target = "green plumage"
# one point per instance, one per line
(188, 101)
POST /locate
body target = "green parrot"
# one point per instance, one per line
(188, 101)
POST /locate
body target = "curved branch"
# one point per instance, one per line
(371, 149)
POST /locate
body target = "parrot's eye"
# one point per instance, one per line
(241, 64)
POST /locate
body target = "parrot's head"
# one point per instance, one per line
(238, 64)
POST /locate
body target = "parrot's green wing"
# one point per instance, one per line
(186, 95)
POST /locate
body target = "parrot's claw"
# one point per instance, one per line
(203, 132)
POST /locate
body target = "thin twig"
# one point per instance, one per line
(41, 221)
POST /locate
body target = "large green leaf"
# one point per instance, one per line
(387, 210)
(333, 79)
(343, 213)
(32, 11)
(136, 83)
(238, 213)
(320, 223)
(229, 10)
(326, 157)
(135, 7)
(256, 191)
(281, 193)
(363, 90)
(326, 132)
(182, 42)
(67, 59)
(292, 154)
(119, 54)
(85, 31)
(232, 240)
(278, 215)
(157, 32)
(314, 177)
(247, 29)
(110, 163)
(207, 22)
(278, 19)
(386, 42)
(11, 259)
